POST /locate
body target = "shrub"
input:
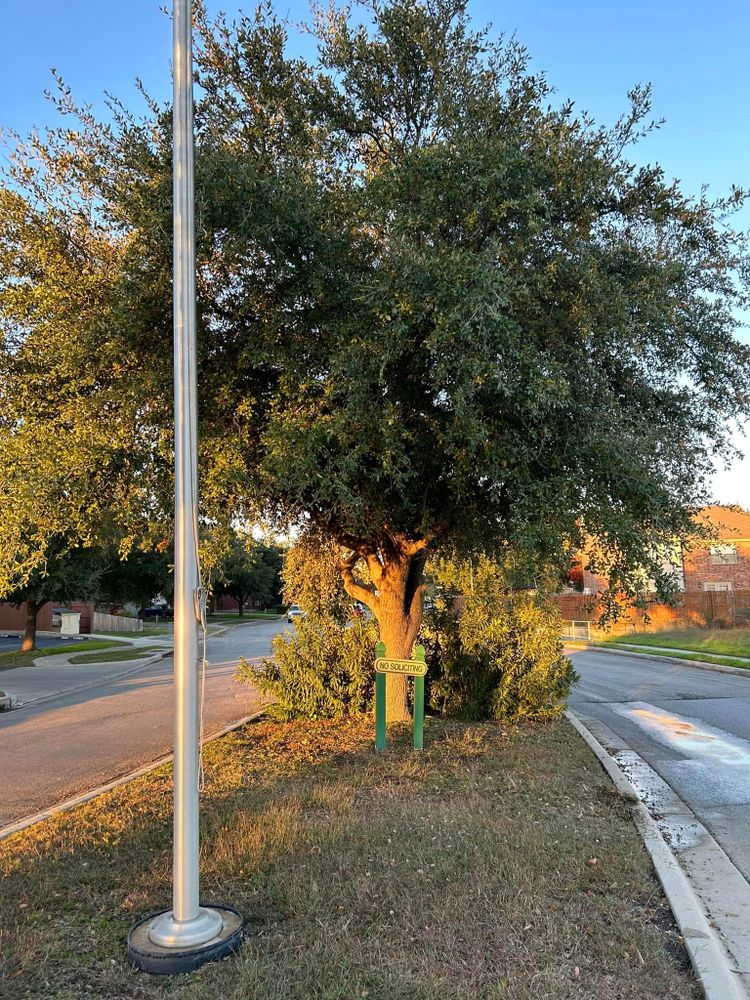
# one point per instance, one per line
(500, 658)
(321, 670)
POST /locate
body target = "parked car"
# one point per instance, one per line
(295, 611)
(158, 611)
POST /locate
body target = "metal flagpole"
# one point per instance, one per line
(189, 934)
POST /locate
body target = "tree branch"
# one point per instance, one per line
(355, 589)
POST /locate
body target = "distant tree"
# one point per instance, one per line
(68, 574)
(139, 578)
(250, 571)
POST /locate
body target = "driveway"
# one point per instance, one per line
(691, 726)
(75, 742)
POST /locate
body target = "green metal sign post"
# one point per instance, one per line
(415, 668)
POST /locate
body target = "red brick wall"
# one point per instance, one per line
(13, 619)
(576, 607)
(699, 569)
(223, 602)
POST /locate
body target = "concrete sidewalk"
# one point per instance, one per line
(54, 675)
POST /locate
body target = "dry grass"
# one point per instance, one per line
(495, 864)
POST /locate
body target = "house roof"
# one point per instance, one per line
(731, 523)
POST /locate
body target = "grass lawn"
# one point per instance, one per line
(10, 660)
(227, 617)
(675, 654)
(498, 864)
(112, 657)
(148, 630)
(730, 641)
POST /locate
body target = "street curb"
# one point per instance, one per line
(710, 962)
(716, 667)
(33, 702)
(40, 817)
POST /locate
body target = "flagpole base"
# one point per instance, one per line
(161, 945)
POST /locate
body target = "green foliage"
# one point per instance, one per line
(497, 654)
(140, 577)
(249, 570)
(323, 665)
(432, 304)
(312, 578)
(69, 573)
(321, 669)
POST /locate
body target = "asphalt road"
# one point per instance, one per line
(78, 741)
(691, 726)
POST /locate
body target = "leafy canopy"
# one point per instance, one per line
(432, 305)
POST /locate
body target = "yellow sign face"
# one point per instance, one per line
(417, 668)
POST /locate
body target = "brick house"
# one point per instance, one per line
(724, 565)
(714, 580)
(13, 617)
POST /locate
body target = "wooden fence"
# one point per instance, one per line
(115, 623)
(694, 609)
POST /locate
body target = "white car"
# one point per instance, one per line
(295, 611)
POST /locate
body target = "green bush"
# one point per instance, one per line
(320, 670)
(324, 667)
(500, 657)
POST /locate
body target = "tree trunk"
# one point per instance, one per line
(29, 634)
(398, 631)
(395, 598)
(240, 607)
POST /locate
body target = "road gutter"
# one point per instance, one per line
(714, 967)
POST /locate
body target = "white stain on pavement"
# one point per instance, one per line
(690, 737)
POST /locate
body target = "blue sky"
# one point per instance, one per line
(694, 53)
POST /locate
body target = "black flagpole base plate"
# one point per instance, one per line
(159, 961)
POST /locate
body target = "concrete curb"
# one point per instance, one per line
(716, 667)
(40, 817)
(33, 702)
(710, 962)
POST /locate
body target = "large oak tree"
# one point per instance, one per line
(436, 310)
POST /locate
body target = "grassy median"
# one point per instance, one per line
(498, 863)
(17, 659)
(718, 641)
(135, 653)
(676, 654)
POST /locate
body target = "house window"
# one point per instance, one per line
(723, 555)
(717, 586)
